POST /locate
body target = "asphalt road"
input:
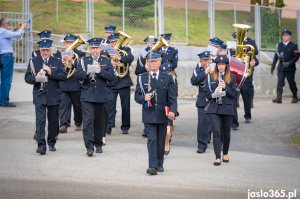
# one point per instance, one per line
(261, 157)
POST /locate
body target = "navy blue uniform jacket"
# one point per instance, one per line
(166, 95)
(51, 94)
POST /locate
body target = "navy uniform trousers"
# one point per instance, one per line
(247, 91)
(68, 99)
(40, 122)
(93, 124)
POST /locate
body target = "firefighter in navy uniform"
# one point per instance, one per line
(286, 53)
(122, 88)
(94, 71)
(46, 34)
(142, 67)
(198, 79)
(45, 72)
(247, 90)
(154, 99)
(70, 89)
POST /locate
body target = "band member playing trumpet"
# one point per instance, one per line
(219, 88)
(45, 72)
(154, 91)
(198, 79)
(70, 88)
(95, 71)
(124, 57)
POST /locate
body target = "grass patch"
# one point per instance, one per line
(296, 140)
(72, 19)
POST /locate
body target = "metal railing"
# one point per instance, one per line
(23, 46)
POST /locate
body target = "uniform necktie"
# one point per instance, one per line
(154, 78)
(45, 61)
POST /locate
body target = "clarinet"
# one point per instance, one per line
(220, 95)
(42, 87)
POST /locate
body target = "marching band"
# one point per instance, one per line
(91, 82)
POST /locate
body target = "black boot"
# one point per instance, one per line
(294, 100)
(278, 99)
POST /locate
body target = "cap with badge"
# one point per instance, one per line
(154, 56)
(166, 36)
(286, 32)
(113, 37)
(216, 41)
(110, 28)
(95, 42)
(45, 43)
(150, 38)
(70, 37)
(45, 34)
(221, 59)
(204, 55)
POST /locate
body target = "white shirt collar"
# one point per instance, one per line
(286, 43)
(165, 49)
(157, 73)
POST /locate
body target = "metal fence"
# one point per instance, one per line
(23, 46)
(192, 22)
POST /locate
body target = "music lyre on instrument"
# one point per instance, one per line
(240, 64)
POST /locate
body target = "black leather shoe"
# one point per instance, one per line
(63, 129)
(151, 171)
(8, 105)
(235, 128)
(41, 150)
(294, 100)
(35, 137)
(167, 152)
(247, 120)
(144, 135)
(52, 148)
(160, 169)
(124, 131)
(99, 149)
(108, 131)
(276, 100)
(200, 150)
(217, 163)
(89, 153)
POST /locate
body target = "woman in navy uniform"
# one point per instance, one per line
(94, 95)
(154, 98)
(45, 72)
(122, 88)
(286, 53)
(220, 86)
(198, 79)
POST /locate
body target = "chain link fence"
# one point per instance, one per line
(192, 22)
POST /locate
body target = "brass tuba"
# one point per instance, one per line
(79, 41)
(244, 52)
(240, 64)
(122, 68)
(160, 43)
